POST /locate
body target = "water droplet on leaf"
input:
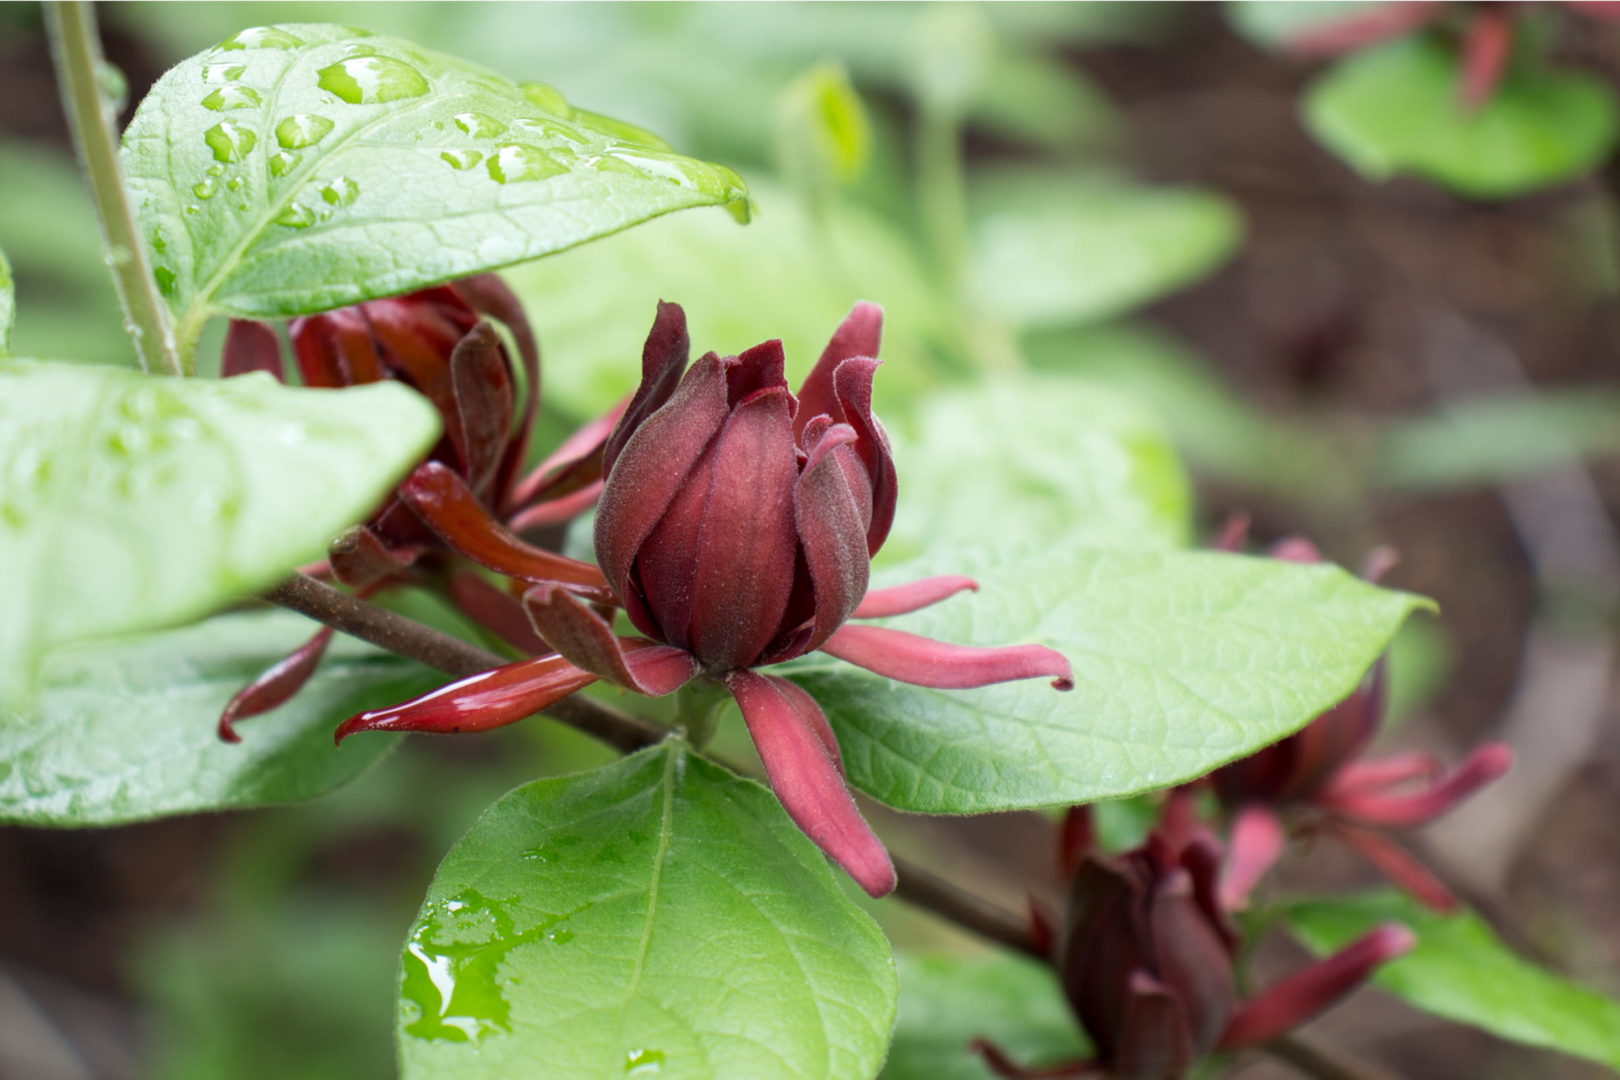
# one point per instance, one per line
(478, 125)
(514, 163)
(232, 97)
(549, 129)
(371, 80)
(261, 37)
(203, 189)
(282, 163)
(302, 129)
(296, 216)
(461, 159)
(340, 192)
(230, 141)
(223, 73)
(165, 278)
(641, 1062)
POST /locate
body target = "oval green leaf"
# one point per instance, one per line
(1395, 110)
(1183, 661)
(126, 731)
(130, 502)
(1461, 971)
(658, 917)
(297, 168)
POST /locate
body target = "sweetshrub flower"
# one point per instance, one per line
(735, 529)
(1146, 958)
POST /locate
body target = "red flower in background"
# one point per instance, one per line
(736, 529)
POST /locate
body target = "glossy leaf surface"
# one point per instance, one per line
(126, 731)
(1395, 110)
(659, 916)
(297, 168)
(1182, 662)
(130, 502)
(1461, 971)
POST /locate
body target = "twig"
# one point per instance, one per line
(926, 889)
(76, 52)
(1324, 1063)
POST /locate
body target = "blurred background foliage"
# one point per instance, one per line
(1135, 259)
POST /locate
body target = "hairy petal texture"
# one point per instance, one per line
(275, 686)
(858, 335)
(790, 733)
(250, 346)
(853, 384)
(360, 560)
(914, 596)
(445, 503)
(482, 422)
(831, 506)
(489, 699)
(586, 640)
(922, 661)
(663, 359)
(496, 611)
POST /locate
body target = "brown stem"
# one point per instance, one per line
(926, 889)
(1324, 1063)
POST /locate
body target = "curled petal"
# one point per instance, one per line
(488, 295)
(853, 384)
(251, 345)
(275, 686)
(807, 779)
(663, 359)
(1257, 842)
(752, 370)
(481, 425)
(858, 335)
(1399, 865)
(923, 661)
(496, 612)
(416, 333)
(335, 348)
(360, 559)
(489, 699)
(575, 463)
(443, 500)
(1403, 811)
(904, 599)
(1302, 995)
(569, 625)
(831, 504)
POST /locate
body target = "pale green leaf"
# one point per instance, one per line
(297, 168)
(1183, 661)
(1461, 971)
(659, 916)
(1395, 110)
(126, 731)
(8, 304)
(823, 133)
(130, 502)
(947, 1001)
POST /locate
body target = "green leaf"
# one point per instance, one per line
(947, 1001)
(1461, 971)
(1183, 661)
(1488, 439)
(1395, 110)
(1039, 457)
(659, 915)
(130, 502)
(298, 168)
(1053, 249)
(126, 731)
(823, 134)
(8, 304)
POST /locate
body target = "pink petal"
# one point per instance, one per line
(1302, 995)
(558, 511)
(586, 640)
(858, 335)
(251, 345)
(275, 686)
(1395, 863)
(1373, 773)
(853, 384)
(663, 359)
(830, 514)
(1233, 535)
(1295, 549)
(495, 611)
(442, 500)
(903, 599)
(1403, 811)
(489, 699)
(925, 662)
(415, 335)
(806, 778)
(1256, 843)
(1486, 44)
(481, 426)
(588, 441)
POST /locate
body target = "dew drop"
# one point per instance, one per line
(159, 243)
(359, 50)
(282, 163)
(560, 937)
(296, 216)
(642, 1062)
(657, 168)
(370, 80)
(232, 96)
(234, 184)
(203, 189)
(215, 170)
(340, 192)
(548, 129)
(609, 164)
(514, 163)
(192, 209)
(230, 141)
(547, 98)
(223, 73)
(302, 129)
(478, 125)
(261, 37)
(461, 159)
(165, 278)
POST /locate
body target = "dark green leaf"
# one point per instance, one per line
(298, 168)
(126, 731)
(1395, 110)
(1183, 661)
(659, 916)
(947, 1001)
(130, 502)
(1461, 971)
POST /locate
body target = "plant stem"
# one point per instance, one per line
(76, 52)
(925, 889)
(1314, 1059)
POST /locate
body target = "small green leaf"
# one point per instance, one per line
(1461, 971)
(823, 133)
(123, 732)
(297, 168)
(8, 304)
(658, 916)
(947, 1001)
(1395, 110)
(129, 502)
(1039, 457)
(1183, 661)
(1055, 249)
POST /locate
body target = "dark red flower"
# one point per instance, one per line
(1146, 953)
(736, 528)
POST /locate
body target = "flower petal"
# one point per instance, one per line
(1375, 23)
(489, 699)
(251, 345)
(762, 367)
(1486, 45)
(1397, 864)
(1404, 811)
(925, 662)
(806, 779)
(496, 611)
(359, 559)
(1155, 1039)
(1257, 842)
(481, 425)
(275, 685)
(582, 636)
(904, 599)
(335, 348)
(415, 334)
(853, 384)
(858, 335)
(831, 505)
(488, 295)
(663, 359)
